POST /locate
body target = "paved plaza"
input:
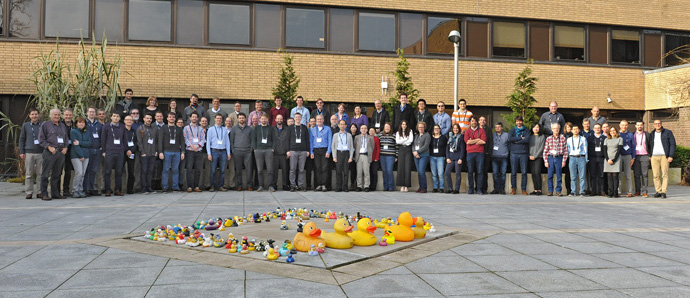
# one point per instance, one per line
(501, 246)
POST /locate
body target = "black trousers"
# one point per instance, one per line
(309, 171)
(147, 166)
(113, 160)
(353, 174)
(374, 174)
(157, 172)
(536, 166)
(280, 162)
(68, 168)
(320, 166)
(194, 161)
(341, 169)
(613, 184)
(331, 168)
(52, 167)
(129, 163)
(596, 170)
(566, 171)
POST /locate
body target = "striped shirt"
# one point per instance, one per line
(194, 135)
(462, 118)
(555, 146)
(388, 146)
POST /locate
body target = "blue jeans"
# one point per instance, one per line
(387, 162)
(172, 160)
(92, 169)
(421, 163)
(458, 174)
(437, 167)
(475, 169)
(577, 171)
(555, 167)
(219, 159)
(518, 161)
(499, 166)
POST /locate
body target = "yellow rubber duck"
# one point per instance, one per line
(364, 236)
(271, 254)
(388, 237)
(427, 226)
(403, 231)
(382, 224)
(233, 248)
(418, 229)
(340, 238)
(308, 236)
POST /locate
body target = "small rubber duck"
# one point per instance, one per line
(364, 236)
(312, 251)
(233, 248)
(217, 241)
(418, 228)
(252, 245)
(261, 246)
(193, 242)
(228, 223)
(244, 250)
(180, 239)
(207, 242)
(309, 235)
(212, 225)
(283, 251)
(290, 259)
(284, 225)
(389, 237)
(271, 255)
(432, 229)
(427, 226)
(320, 248)
(383, 242)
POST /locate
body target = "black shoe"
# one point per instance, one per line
(29, 196)
(366, 189)
(292, 189)
(359, 189)
(434, 190)
(657, 195)
(494, 192)
(663, 195)
(456, 192)
(338, 190)
(66, 194)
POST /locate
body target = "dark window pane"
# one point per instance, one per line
(267, 26)
(228, 24)
(674, 42)
(625, 46)
(24, 15)
(411, 33)
(190, 22)
(2, 15)
(509, 39)
(67, 18)
(108, 19)
(341, 34)
(150, 20)
(569, 43)
(304, 28)
(376, 31)
(437, 34)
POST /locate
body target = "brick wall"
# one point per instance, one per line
(664, 87)
(680, 127)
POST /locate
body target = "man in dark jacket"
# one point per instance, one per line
(518, 139)
(298, 136)
(378, 118)
(114, 147)
(280, 148)
(403, 112)
(595, 151)
(423, 115)
(125, 106)
(663, 148)
(131, 149)
(32, 153)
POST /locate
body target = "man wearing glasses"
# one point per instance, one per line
(551, 117)
(663, 147)
(442, 119)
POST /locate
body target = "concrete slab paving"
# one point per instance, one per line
(453, 284)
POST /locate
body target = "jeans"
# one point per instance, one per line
(33, 164)
(421, 164)
(147, 172)
(194, 162)
(218, 160)
(263, 157)
(577, 172)
(115, 160)
(437, 167)
(387, 162)
(555, 167)
(458, 174)
(52, 167)
(92, 170)
(499, 166)
(171, 161)
(475, 169)
(79, 167)
(518, 161)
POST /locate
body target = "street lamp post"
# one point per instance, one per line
(454, 37)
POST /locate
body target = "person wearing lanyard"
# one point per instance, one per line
(403, 112)
(263, 139)
(94, 128)
(255, 116)
(577, 153)
(31, 152)
(442, 119)
(379, 117)
(627, 159)
(194, 107)
(555, 156)
(218, 152)
(304, 112)
(462, 115)
(421, 154)
(280, 148)
(551, 117)
(241, 143)
(455, 154)
(298, 134)
(340, 115)
(320, 149)
(67, 116)
(53, 138)
(423, 115)
(342, 142)
(194, 139)
(131, 138)
(358, 118)
(438, 159)
(499, 159)
(595, 144)
(519, 154)
(320, 110)
(364, 149)
(641, 161)
(613, 146)
(404, 138)
(80, 140)
(146, 143)
(114, 147)
(475, 138)
(171, 150)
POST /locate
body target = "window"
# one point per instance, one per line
(67, 18)
(666, 115)
(625, 46)
(108, 19)
(376, 31)
(437, 34)
(2, 22)
(569, 43)
(411, 33)
(342, 32)
(267, 29)
(150, 20)
(673, 42)
(509, 39)
(190, 22)
(305, 28)
(24, 18)
(228, 23)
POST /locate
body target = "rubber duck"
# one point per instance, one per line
(432, 229)
(312, 251)
(291, 247)
(192, 242)
(252, 245)
(339, 239)
(172, 236)
(333, 216)
(427, 226)
(228, 223)
(381, 224)
(309, 235)
(245, 241)
(320, 248)
(364, 236)
(290, 259)
(217, 241)
(418, 228)
(244, 250)
(388, 237)
(284, 225)
(261, 246)
(148, 235)
(266, 218)
(207, 242)
(233, 248)
(180, 239)
(402, 231)
(271, 255)
(257, 218)
(283, 251)
(212, 225)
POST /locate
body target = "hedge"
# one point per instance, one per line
(681, 158)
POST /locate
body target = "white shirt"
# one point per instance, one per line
(658, 147)
(405, 141)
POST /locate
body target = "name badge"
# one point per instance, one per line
(416, 148)
(575, 152)
(496, 148)
(597, 148)
(195, 140)
(298, 141)
(130, 144)
(116, 141)
(265, 141)
(318, 140)
(61, 140)
(377, 125)
(385, 147)
(626, 147)
(219, 142)
(435, 150)
(172, 141)
(35, 142)
(150, 141)
(95, 136)
(554, 152)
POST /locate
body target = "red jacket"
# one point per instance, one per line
(475, 134)
(377, 149)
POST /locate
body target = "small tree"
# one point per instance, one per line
(522, 99)
(403, 84)
(288, 82)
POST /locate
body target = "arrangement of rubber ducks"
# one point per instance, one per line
(309, 238)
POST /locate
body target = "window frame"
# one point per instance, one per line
(325, 11)
(396, 26)
(491, 39)
(90, 23)
(425, 24)
(207, 27)
(585, 29)
(640, 46)
(663, 44)
(173, 25)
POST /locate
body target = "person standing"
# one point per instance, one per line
(421, 155)
(230, 166)
(586, 132)
(31, 152)
(67, 116)
(536, 153)
(194, 139)
(364, 149)
(596, 160)
(455, 154)
(403, 112)
(146, 143)
(627, 159)
(113, 143)
(518, 138)
(551, 117)
(302, 110)
(577, 156)
(341, 114)
(278, 109)
(309, 163)
(354, 131)
(53, 138)
(375, 164)
(613, 146)
(151, 107)
(255, 116)
(404, 138)
(240, 141)
(423, 115)
(344, 149)
(555, 156)
(263, 141)
(131, 148)
(171, 150)
(488, 149)
(280, 149)
(499, 159)
(124, 107)
(158, 163)
(94, 127)
(475, 139)
(216, 110)
(663, 148)
(218, 152)
(193, 107)
(320, 139)
(442, 119)
(172, 107)
(331, 163)
(379, 117)
(596, 118)
(298, 134)
(320, 110)
(79, 156)
(643, 146)
(234, 114)
(438, 158)
(462, 115)
(359, 119)
(389, 154)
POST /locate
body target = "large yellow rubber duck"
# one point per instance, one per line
(308, 236)
(418, 229)
(340, 238)
(364, 236)
(403, 231)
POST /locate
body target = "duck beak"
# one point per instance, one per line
(315, 233)
(371, 229)
(348, 229)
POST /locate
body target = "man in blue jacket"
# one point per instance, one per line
(663, 148)
(518, 139)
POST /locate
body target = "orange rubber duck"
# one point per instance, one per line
(403, 231)
(307, 236)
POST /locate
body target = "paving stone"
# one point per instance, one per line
(471, 284)
(623, 278)
(100, 292)
(671, 292)
(230, 288)
(596, 247)
(483, 249)
(549, 281)
(576, 261)
(539, 248)
(638, 260)
(401, 270)
(679, 274)
(584, 294)
(59, 262)
(124, 277)
(510, 263)
(284, 287)
(443, 265)
(389, 286)
(126, 260)
(34, 280)
(196, 273)
(25, 294)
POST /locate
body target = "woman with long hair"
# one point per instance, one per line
(420, 151)
(389, 154)
(613, 146)
(404, 138)
(536, 154)
(354, 131)
(172, 107)
(438, 158)
(455, 154)
(151, 107)
(79, 155)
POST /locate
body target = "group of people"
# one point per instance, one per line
(194, 149)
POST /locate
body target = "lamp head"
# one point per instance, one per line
(454, 36)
